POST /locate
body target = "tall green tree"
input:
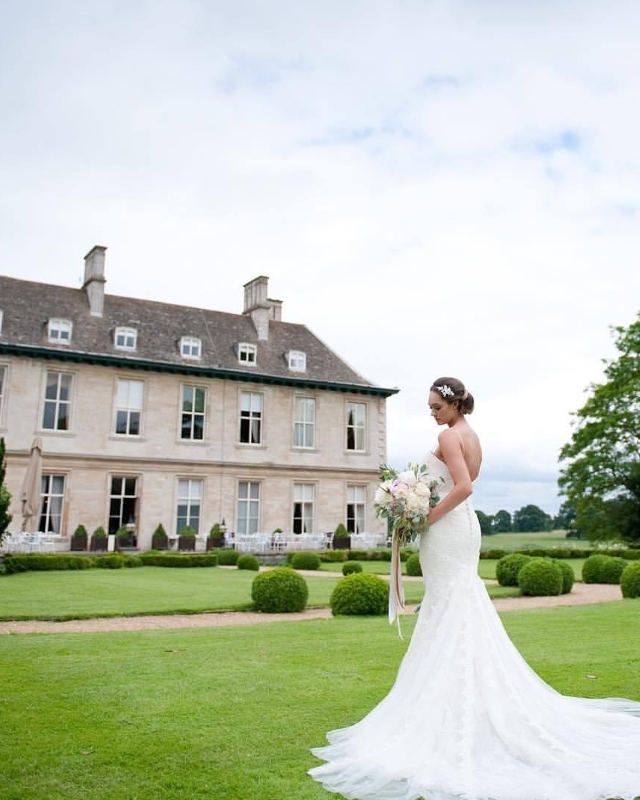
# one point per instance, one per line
(530, 519)
(5, 497)
(502, 522)
(601, 472)
(485, 523)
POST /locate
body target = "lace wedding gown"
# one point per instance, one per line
(467, 718)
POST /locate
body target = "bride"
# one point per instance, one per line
(467, 718)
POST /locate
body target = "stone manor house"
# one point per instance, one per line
(157, 413)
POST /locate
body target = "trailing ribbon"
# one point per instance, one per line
(396, 589)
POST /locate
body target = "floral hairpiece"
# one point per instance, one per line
(445, 390)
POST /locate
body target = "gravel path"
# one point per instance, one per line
(581, 594)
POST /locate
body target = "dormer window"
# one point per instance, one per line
(125, 338)
(60, 331)
(297, 360)
(247, 353)
(190, 347)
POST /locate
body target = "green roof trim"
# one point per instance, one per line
(103, 359)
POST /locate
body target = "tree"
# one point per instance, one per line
(565, 519)
(485, 523)
(601, 476)
(502, 522)
(5, 497)
(529, 519)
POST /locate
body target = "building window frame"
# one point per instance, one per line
(251, 417)
(125, 338)
(123, 501)
(191, 347)
(356, 427)
(304, 422)
(189, 496)
(297, 360)
(248, 507)
(59, 330)
(193, 404)
(247, 354)
(56, 410)
(356, 508)
(303, 508)
(52, 493)
(128, 412)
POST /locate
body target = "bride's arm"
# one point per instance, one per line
(452, 455)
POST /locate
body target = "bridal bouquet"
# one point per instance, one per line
(405, 498)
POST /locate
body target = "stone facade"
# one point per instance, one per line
(205, 408)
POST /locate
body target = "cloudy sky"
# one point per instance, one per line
(435, 187)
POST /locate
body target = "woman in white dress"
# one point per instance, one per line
(467, 718)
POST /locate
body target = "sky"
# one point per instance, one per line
(434, 187)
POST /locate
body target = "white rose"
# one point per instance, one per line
(407, 477)
(422, 489)
(382, 496)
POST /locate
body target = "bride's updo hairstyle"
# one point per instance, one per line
(452, 391)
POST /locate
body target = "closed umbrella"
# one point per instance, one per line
(30, 492)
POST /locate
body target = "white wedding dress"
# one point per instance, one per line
(467, 718)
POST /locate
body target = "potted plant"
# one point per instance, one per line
(187, 538)
(159, 540)
(99, 540)
(123, 537)
(79, 539)
(341, 538)
(216, 537)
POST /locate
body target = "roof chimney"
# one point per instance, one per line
(94, 279)
(260, 307)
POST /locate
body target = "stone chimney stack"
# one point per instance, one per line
(94, 279)
(260, 307)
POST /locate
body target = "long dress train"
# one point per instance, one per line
(467, 718)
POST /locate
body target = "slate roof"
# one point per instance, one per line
(27, 307)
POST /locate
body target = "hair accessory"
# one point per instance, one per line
(445, 390)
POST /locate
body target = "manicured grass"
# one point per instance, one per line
(230, 713)
(527, 541)
(144, 590)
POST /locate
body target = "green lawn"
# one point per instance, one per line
(528, 541)
(230, 713)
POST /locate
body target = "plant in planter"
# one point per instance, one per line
(216, 537)
(159, 540)
(79, 539)
(99, 540)
(187, 538)
(341, 538)
(124, 537)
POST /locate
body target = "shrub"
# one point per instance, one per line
(359, 595)
(509, 566)
(304, 560)
(24, 562)
(334, 555)
(495, 553)
(568, 577)
(603, 569)
(350, 567)
(540, 577)
(630, 580)
(358, 555)
(112, 561)
(158, 559)
(159, 538)
(228, 557)
(412, 565)
(279, 591)
(247, 561)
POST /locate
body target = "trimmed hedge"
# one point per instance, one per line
(25, 562)
(227, 557)
(334, 556)
(568, 576)
(305, 560)
(360, 594)
(161, 559)
(603, 569)
(351, 567)
(279, 591)
(247, 561)
(630, 580)
(540, 577)
(509, 566)
(412, 566)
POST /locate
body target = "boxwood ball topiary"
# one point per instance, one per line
(360, 594)
(568, 576)
(228, 557)
(279, 591)
(540, 577)
(412, 565)
(509, 566)
(600, 568)
(351, 567)
(630, 580)
(305, 560)
(247, 561)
